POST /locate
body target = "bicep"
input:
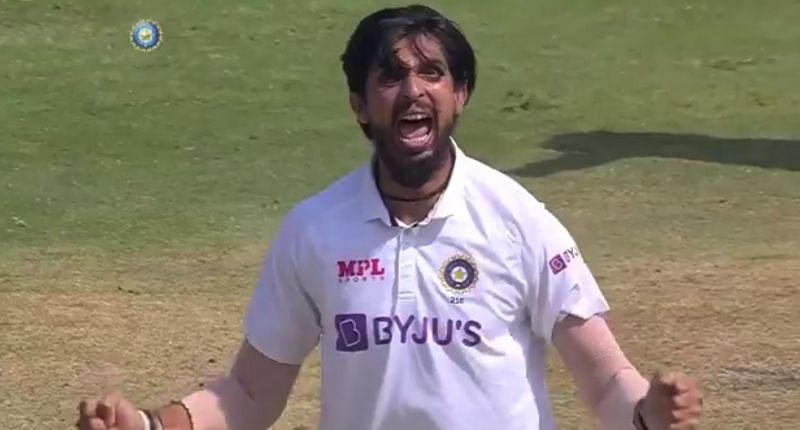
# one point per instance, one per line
(590, 353)
(559, 279)
(282, 320)
(261, 377)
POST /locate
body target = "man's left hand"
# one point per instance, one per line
(673, 402)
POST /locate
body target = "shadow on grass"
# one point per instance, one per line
(586, 150)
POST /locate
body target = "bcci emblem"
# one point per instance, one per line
(459, 274)
(146, 35)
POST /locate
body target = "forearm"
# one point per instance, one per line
(223, 405)
(251, 397)
(605, 378)
(617, 402)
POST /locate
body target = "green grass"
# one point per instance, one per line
(116, 164)
(213, 136)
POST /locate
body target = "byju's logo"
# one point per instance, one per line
(355, 332)
(352, 330)
(560, 261)
(360, 270)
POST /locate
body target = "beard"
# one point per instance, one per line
(412, 171)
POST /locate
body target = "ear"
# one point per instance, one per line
(461, 97)
(359, 106)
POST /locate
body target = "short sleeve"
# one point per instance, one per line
(560, 281)
(282, 321)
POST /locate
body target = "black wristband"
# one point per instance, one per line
(638, 419)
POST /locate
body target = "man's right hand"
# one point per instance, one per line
(111, 412)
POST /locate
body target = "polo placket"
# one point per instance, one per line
(406, 266)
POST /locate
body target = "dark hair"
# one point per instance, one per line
(372, 44)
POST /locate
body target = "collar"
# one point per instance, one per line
(452, 201)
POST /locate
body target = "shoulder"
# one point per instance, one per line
(495, 192)
(493, 182)
(324, 206)
(527, 221)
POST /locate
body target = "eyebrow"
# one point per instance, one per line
(433, 62)
(394, 63)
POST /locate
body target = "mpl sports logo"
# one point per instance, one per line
(356, 332)
(560, 262)
(360, 270)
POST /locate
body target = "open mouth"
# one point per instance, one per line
(415, 130)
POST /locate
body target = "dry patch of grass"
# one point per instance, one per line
(157, 328)
(730, 323)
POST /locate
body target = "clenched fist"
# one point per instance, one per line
(111, 412)
(673, 402)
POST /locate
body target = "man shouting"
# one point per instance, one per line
(432, 283)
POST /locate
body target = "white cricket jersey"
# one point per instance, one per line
(440, 326)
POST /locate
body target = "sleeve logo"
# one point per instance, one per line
(557, 264)
(560, 262)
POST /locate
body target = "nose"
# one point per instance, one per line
(413, 87)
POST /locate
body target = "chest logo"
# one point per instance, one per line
(360, 270)
(459, 274)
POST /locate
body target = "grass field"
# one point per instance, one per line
(138, 191)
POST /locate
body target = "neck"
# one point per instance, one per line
(411, 205)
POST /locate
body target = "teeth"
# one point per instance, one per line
(414, 117)
(420, 139)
